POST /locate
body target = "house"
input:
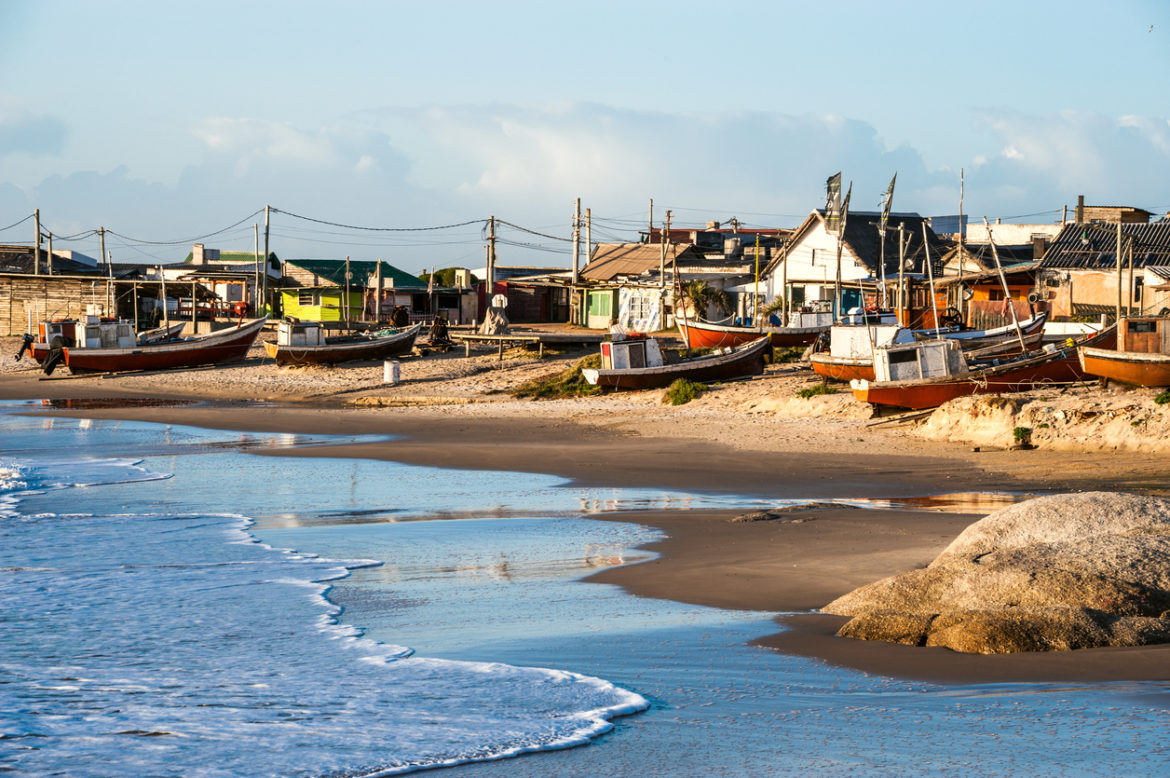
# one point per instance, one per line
(231, 276)
(629, 283)
(533, 294)
(318, 290)
(1095, 269)
(806, 271)
(60, 287)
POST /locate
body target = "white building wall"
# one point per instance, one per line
(812, 263)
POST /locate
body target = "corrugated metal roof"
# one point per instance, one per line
(612, 260)
(1093, 247)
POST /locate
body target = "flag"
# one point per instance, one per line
(833, 204)
(845, 207)
(886, 207)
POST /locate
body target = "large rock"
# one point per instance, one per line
(1050, 574)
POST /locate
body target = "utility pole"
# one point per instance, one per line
(256, 268)
(102, 243)
(576, 239)
(109, 266)
(37, 242)
(650, 230)
(588, 234)
(1119, 273)
(901, 272)
(264, 276)
(962, 258)
(491, 259)
(347, 276)
(49, 264)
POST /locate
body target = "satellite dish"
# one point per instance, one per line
(499, 301)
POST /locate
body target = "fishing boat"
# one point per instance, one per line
(803, 329)
(945, 379)
(639, 363)
(104, 347)
(1142, 355)
(304, 343)
(851, 347)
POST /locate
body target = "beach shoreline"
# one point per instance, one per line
(789, 566)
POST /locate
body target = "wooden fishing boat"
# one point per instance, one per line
(1142, 356)
(69, 331)
(638, 363)
(225, 345)
(853, 363)
(296, 345)
(1047, 366)
(703, 334)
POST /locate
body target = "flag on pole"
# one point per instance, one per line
(845, 207)
(886, 207)
(833, 204)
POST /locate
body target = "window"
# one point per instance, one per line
(639, 308)
(307, 298)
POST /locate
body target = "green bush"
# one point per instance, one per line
(813, 391)
(568, 383)
(790, 354)
(1022, 434)
(1163, 398)
(682, 391)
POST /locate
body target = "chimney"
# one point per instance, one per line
(1039, 246)
(1080, 212)
(197, 256)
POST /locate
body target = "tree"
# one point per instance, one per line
(698, 297)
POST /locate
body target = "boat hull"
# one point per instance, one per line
(228, 345)
(331, 354)
(706, 335)
(747, 360)
(1129, 367)
(841, 368)
(1056, 367)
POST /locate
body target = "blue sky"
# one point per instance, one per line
(165, 122)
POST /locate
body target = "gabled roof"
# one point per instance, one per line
(1092, 247)
(864, 242)
(612, 260)
(364, 272)
(981, 255)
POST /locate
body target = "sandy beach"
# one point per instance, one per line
(753, 438)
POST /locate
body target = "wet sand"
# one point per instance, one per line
(789, 566)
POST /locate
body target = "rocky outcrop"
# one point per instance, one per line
(1050, 574)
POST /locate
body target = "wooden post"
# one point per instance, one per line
(256, 267)
(1007, 295)
(588, 234)
(650, 224)
(37, 242)
(134, 291)
(166, 312)
(962, 259)
(1119, 274)
(49, 262)
(491, 265)
(902, 274)
(264, 268)
(194, 310)
(930, 275)
(784, 283)
(756, 296)
(576, 239)
(347, 275)
(378, 292)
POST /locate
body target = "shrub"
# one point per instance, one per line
(790, 354)
(813, 391)
(1163, 398)
(568, 383)
(1022, 434)
(682, 391)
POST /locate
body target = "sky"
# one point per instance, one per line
(167, 123)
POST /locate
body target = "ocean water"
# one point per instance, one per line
(173, 603)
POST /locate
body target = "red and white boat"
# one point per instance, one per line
(1142, 355)
(1048, 366)
(704, 334)
(103, 347)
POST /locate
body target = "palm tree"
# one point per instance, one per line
(697, 297)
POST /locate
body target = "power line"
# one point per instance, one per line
(377, 229)
(186, 240)
(16, 224)
(533, 232)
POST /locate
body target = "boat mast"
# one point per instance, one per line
(756, 296)
(930, 276)
(1007, 295)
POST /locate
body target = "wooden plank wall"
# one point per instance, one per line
(45, 297)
